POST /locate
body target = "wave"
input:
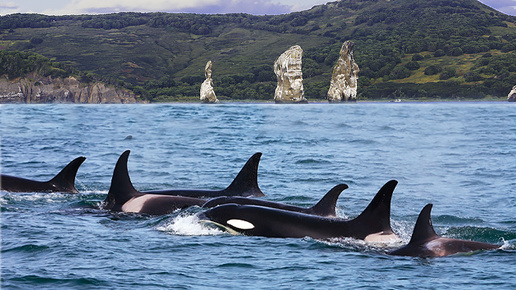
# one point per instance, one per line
(237, 265)
(450, 219)
(29, 248)
(312, 161)
(481, 234)
(31, 281)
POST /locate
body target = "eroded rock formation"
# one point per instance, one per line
(207, 92)
(512, 95)
(290, 78)
(38, 89)
(343, 86)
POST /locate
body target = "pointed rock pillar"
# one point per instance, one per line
(207, 92)
(343, 86)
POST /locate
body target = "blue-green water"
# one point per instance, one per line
(459, 156)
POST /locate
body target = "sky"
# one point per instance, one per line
(258, 7)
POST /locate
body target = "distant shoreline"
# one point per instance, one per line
(272, 102)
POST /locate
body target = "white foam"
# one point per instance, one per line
(340, 214)
(508, 245)
(403, 229)
(189, 225)
(33, 197)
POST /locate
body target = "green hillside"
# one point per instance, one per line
(419, 49)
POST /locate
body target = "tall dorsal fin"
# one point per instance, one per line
(378, 213)
(122, 188)
(65, 179)
(246, 182)
(326, 206)
(423, 230)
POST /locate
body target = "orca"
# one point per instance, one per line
(325, 207)
(123, 197)
(244, 184)
(64, 181)
(372, 224)
(426, 243)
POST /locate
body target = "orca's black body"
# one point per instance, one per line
(123, 197)
(244, 184)
(325, 207)
(426, 243)
(64, 181)
(255, 220)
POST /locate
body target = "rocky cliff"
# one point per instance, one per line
(207, 93)
(290, 77)
(512, 95)
(343, 86)
(38, 89)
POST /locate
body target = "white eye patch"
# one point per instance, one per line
(240, 224)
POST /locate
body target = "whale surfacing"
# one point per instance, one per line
(255, 220)
(64, 181)
(325, 207)
(123, 197)
(426, 243)
(244, 184)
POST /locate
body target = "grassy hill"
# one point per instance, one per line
(424, 49)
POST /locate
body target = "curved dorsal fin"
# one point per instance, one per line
(65, 179)
(122, 188)
(424, 230)
(246, 182)
(378, 213)
(326, 206)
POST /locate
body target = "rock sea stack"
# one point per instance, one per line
(207, 92)
(343, 86)
(290, 77)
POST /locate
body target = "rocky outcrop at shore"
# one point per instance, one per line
(38, 89)
(207, 92)
(343, 86)
(290, 77)
(512, 95)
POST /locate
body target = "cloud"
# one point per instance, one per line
(505, 6)
(193, 6)
(8, 8)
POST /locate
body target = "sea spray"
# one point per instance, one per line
(508, 244)
(188, 224)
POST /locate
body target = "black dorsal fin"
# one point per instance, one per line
(122, 188)
(246, 182)
(377, 214)
(65, 179)
(326, 206)
(423, 230)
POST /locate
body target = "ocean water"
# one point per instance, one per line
(459, 156)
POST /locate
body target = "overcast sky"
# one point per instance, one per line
(260, 7)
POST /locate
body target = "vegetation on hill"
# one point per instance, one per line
(424, 49)
(15, 64)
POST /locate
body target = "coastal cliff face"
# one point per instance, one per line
(207, 93)
(512, 95)
(344, 80)
(38, 89)
(290, 77)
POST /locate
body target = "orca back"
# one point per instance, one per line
(121, 189)
(377, 215)
(64, 181)
(326, 206)
(246, 182)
